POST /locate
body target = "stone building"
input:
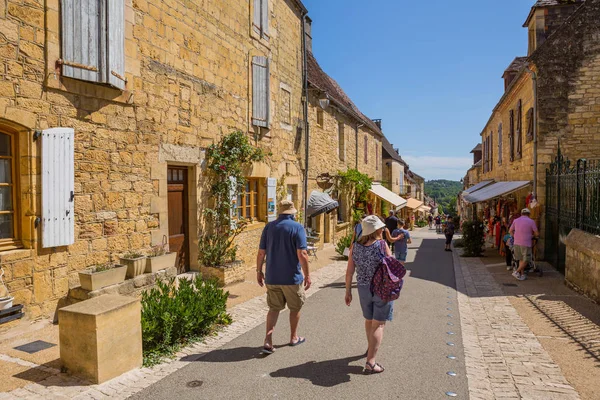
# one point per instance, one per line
(136, 106)
(558, 77)
(341, 138)
(393, 167)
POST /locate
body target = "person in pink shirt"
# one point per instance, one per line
(523, 230)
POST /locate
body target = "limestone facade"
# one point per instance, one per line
(189, 80)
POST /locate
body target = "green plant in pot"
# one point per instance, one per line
(99, 276)
(225, 163)
(160, 258)
(135, 262)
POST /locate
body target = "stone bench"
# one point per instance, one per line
(101, 338)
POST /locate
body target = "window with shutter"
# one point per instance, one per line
(9, 220)
(366, 150)
(341, 141)
(93, 41)
(271, 199)
(519, 129)
(260, 91)
(491, 150)
(58, 223)
(376, 157)
(499, 144)
(484, 155)
(511, 135)
(260, 18)
(530, 122)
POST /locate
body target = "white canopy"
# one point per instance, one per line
(382, 192)
(476, 187)
(495, 190)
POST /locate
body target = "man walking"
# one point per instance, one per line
(523, 230)
(283, 243)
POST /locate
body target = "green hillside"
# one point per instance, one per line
(444, 192)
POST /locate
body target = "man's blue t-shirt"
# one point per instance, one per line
(281, 239)
(401, 246)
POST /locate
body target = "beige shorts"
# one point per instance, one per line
(522, 253)
(280, 295)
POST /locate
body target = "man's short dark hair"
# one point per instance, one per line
(400, 222)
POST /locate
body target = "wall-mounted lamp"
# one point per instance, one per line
(324, 101)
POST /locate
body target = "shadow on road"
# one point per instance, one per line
(324, 373)
(229, 355)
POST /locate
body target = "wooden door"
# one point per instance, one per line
(178, 216)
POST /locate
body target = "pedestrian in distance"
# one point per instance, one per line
(438, 224)
(401, 239)
(391, 223)
(449, 233)
(364, 259)
(523, 230)
(283, 243)
(430, 219)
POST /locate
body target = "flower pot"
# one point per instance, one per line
(6, 303)
(135, 266)
(97, 280)
(155, 264)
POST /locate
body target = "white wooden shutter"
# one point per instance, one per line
(116, 43)
(256, 17)
(81, 39)
(234, 199)
(260, 91)
(264, 19)
(271, 199)
(58, 221)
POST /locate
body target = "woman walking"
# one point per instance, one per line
(449, 232)
(364, 259)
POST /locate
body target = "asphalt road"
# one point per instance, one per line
(329, 365)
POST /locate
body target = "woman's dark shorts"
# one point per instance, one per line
(373, 307)
(449, 239)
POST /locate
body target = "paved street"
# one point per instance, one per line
(329, 364)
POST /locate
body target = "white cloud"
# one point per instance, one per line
(437, 167)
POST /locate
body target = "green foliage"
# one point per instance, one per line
(473, 238)
(421, 223)
(175, 314)
(225, 162)
(355, 183)
(343, 243)
(444, 192)
(459, 243)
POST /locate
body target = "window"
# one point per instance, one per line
(260, 20)
(485, 155)
(530, 122)
(519, 129)
(247, 202)
(292, 193)
(376, 157)
(7, 187)
(366, 149)
(93, 41)
(320, 117)
(341, 141)
(260, 91)
(511, 135)
(491, 148)
(286, 106)
(500, 144)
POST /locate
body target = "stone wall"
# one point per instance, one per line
(582, 271)
(188, 70)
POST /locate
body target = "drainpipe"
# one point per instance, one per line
(306, 126)
(535, 129)
(356, 128)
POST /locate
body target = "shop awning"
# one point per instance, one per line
(424, 208)
(495, 190)
(414, 203)
(476, 187)
(320, 203)
(384, 193)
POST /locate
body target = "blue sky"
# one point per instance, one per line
(430, 69)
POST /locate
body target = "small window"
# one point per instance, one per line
(7, 187)
(341, 141)
(260, 21)
(319, 117)
(519, 150)
(500, 144)
(376, 157)
(366, 149)
(247, 202)
(511, 135)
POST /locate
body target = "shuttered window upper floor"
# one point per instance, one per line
(260, 18)
(93, 41)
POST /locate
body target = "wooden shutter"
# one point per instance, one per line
(519, 129)
(499, 144)
(264, 19)
(511, 135)
(81, 44)
(271, 199)
(58, 223)
(376, 157)
(530, 123)
(260, 91)
(256, 15)
(116, 43)
(234, 205)
(491, 150)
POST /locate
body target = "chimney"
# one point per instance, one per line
(308, 33)
(378, 123)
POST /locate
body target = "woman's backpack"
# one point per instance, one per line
(387, 281)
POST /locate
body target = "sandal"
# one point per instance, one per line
(268, 350)
(372, 369)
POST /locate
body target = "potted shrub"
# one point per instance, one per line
(159, 258)
(135, 263)
(100, 276)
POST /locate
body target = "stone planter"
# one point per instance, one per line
(155, 264)
(135, 266)
(6, 303)
(97, 280)
(229, 273)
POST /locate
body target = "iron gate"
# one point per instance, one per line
(572, 201)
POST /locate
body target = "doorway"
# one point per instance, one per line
(177, 182)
